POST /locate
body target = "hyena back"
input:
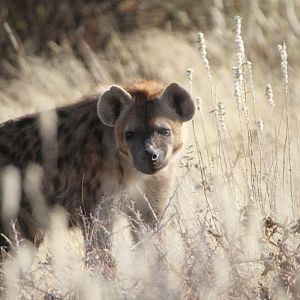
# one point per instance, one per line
(121, 144)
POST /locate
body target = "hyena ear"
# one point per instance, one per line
(111, 104)
(179, 100)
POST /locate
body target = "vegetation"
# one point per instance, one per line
(231, 229)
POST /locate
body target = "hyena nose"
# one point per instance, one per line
(152, 155)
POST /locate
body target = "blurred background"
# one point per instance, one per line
(36, 25)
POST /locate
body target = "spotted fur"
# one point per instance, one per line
(94, 164)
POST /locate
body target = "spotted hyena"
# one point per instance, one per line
(123, 143)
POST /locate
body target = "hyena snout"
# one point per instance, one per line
(150, 160)
(152, 155)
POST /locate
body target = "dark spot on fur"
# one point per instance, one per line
(89, 190)
(81, 120)
(93, 123)
(104, 151)
(93, 172)
(22, 132)
(68, 138)
(25, 143)
(4, 150)
(60, 162)
(34, 132)
(62, 129)
(38, 155)
(84, 141)
(56, 184)
(77, 164)
(63, 160)
(36, 144)
(15, 156)
(27, 121)
(27, 155)
(67, 159)
(62, 114)
(98, 134)
(15, 143)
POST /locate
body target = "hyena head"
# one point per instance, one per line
(148, 122)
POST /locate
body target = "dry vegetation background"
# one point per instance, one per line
(232, 227)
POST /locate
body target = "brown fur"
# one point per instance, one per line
(149, 90)
(93, 165)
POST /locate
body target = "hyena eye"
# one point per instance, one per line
(164, 131)
(129, 135)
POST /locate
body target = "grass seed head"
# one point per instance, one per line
(269, 94)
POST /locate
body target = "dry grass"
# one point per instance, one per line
(231, 229)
